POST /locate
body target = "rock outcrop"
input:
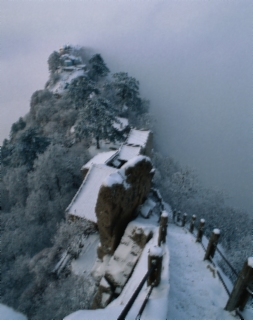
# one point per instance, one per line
(103, 295)
(122, 263)
(120, 194)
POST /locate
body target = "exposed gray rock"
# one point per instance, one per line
(122, 263)
(118, 197)
(103, 295)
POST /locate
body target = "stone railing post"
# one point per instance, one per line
(184, 219)
(243, 285)
(155, 257)
(163, 228)
(192, 224)
(210, 251)
(200, 230)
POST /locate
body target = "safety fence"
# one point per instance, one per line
(243, 284)
(153, 275)
(135, 295)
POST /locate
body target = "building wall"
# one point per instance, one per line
(149, 145)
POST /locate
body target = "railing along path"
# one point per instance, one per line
(242, 290)
(153, 275)
(243, 286)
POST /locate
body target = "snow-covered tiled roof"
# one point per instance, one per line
(100, 158)
(128, 152)
(84, 203)
(138, 137)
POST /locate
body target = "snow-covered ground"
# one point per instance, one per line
(100, 158)
(65, 78)
(195, 291)
(87, 257)
(105, 146)
(7, 313)
(189, 288)
(156, 307)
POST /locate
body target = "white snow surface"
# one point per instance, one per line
(132, 163)
(189, 287)
(105, 146)
(104, 283)
(128, 152)
(164, 214)
(216, 231)
(159, 296)
(7, 313)
(87, 258)
(100, 158)
(66, 77)
(84, 203)
(194, 292)
(156, 251)
(114, 178)
(138, 137)
(147, 207)
(126, 255)
(123, 123)
(250, 262)
(72, 129)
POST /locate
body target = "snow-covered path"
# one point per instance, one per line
(189, 288)
(195, 292)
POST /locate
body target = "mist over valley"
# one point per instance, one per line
(153, 102)
(193, 61)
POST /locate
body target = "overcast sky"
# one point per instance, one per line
(193, 59)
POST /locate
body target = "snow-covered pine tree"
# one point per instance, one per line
(27, 148)
(80, 89)
(54, 61)
(96, 120)
(98, 67)
(127, 91)
(19, 125)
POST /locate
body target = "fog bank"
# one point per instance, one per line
(192, 58)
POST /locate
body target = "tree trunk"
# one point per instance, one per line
(98, 145)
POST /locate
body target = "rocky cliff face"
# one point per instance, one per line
(121, 193)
